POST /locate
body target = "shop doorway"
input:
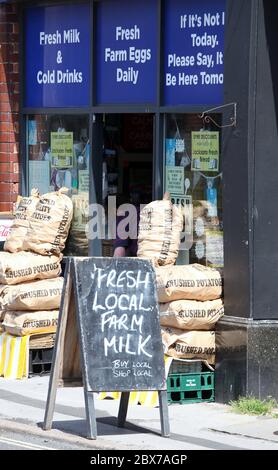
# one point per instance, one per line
(127, 166)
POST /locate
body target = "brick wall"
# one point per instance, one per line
(9, 105)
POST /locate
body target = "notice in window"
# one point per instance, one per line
(214, 249)
(175, 180)
(83, 177)
(39, 176)
(62, 149)
(205, 151)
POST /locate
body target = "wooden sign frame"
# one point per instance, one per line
(68, 367)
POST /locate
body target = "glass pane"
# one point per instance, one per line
(58, 155)
(193, 176)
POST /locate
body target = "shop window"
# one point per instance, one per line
(58, 156)
(193, 177)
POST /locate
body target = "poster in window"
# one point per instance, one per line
(61, 149)
(83, 180)
(175, 180)
(205, 151)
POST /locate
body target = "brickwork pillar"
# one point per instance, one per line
(9, 105)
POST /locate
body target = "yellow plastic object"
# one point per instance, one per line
(14, 356)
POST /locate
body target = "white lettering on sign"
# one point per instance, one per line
(122, 302)
(203, 33)
(139, 56)
(129, 75)
(48, 39)
(122, 344)
(71, 36)
(122, 311)
(127, 34)
(111, 55)
(59, 77)
(110, 279)
(185, 79)
(212, 79)
(128, 54)
(212, 20)
(205, 40)
(65, 76)
(123, 322)
(68, 36)
(180, 61)
(126, 368)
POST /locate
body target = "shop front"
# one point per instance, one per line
(113, 100)
(121, 103)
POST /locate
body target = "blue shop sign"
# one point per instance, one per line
(194, 52)
(126, 45)
(57, 58)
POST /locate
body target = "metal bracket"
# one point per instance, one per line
(207, 119)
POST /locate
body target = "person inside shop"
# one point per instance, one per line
(124, 245)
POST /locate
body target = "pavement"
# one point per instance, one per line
(203, 426)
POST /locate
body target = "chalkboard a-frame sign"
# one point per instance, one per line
(108, 336)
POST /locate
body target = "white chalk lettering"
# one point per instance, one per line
(118, 323)
(122, 344)
(110, 279)
(136, 323)
(140, 373)
(114, 301)
(120, 364)
(121, 373)
(131, 281)
(141, 346)
(121, 302)
(109, 344)
(95, 306)
(125, 279)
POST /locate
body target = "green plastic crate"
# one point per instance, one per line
(182, 367)
(190, 388)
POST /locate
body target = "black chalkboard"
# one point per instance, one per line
(119, 324)
(109, 333)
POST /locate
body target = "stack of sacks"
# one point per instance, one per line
(190, 305)
(31, 307)
(160, 230)
(30, 286)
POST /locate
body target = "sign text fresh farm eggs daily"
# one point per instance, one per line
(126, 51)
(194, 52)
(57, 62)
